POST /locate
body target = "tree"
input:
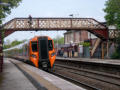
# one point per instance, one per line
(5, 10)
(112, 17)
(7, 42)
(112, 11)
(59, 40)
(12, 44)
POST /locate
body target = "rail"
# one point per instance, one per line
(91, 75)
(87, 86)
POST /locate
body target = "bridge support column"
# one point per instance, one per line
(1, 52)
(107, 49)
(102, 50)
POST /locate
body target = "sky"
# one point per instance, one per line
(55, 8)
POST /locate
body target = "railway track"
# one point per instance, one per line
(97, 80)
(112, 69)
(87, 86)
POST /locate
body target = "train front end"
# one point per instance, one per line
(45, 52)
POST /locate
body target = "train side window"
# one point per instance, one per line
(34, 46)
(50, 45)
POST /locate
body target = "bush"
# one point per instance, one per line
(85, 44)
(116, 54)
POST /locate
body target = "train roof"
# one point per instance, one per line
(17, 46)
(34, 38)
(20, 45)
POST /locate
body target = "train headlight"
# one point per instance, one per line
(52, 54)
(34, 56)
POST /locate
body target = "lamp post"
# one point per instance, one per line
(71, 15)
(57, 46)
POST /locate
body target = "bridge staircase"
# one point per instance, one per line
(99, 50)
(97, 43)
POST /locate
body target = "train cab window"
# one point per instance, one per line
(50, 45)
(34, 46)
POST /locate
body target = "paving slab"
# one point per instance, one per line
(13, 79)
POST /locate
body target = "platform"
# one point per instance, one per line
(13, 79)
(103, 61)
(18, 79)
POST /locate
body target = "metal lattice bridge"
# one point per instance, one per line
(25, 24)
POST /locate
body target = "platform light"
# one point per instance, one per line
(71, 15)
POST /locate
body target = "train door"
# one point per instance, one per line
(34, 53)
(43, 51)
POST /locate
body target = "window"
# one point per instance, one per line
(34, 46)
(50, 45)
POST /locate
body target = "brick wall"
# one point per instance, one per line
(75, 36)
(83, 36)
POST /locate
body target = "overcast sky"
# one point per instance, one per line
(55, 8)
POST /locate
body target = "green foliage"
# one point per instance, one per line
(12, 44)
(5, 10)
(116, 55)
(86, 44)
(112, 11)
(112, 17)
(60, 40)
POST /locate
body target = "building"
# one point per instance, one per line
(72, 41)
(75, 37)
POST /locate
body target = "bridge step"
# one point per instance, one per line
(95, 46)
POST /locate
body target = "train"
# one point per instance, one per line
(39, 51)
